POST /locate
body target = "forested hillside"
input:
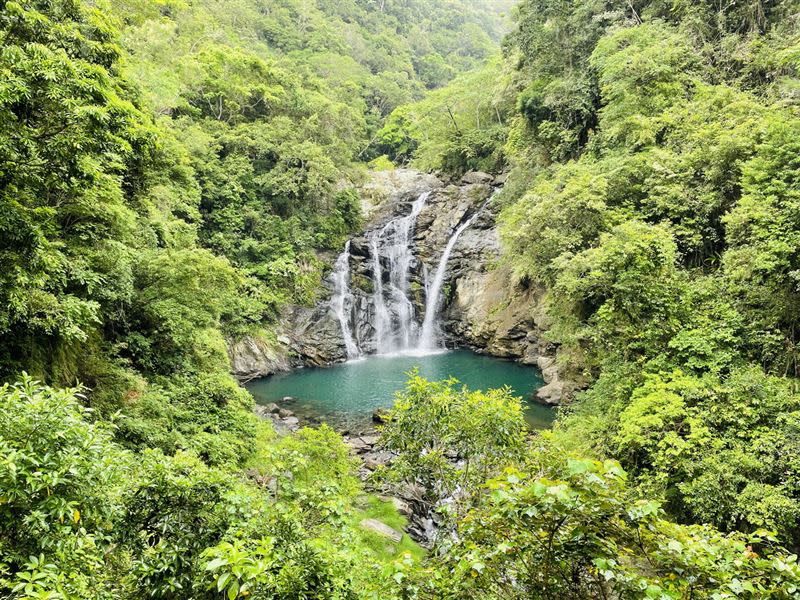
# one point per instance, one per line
(658, 214)
(171, 170)
(654, 181)
(168, 172)
(169, 135)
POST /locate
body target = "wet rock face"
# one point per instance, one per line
(314, 335)
(253, 357)
(481, 307)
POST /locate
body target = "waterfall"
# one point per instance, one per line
(382, 320)
(395, 327)
(341, 301)
(393, 316)
(429, 338)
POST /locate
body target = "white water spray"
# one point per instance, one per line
(429, 338)
(394, 322)
(341, 301)
(395, 327)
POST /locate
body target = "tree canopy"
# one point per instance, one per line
(171, 172)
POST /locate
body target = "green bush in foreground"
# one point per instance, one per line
(569, 529)
(61, 480)
(81, 517)
(534, 522)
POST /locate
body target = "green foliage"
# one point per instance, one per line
(386, 512)
(180, 294)
(641, 71)
(655, 178)
(179, 508)
(169, 171)
(431, 422)
(314, 471)
(60, 502)
(761, 263)
(68, 143)
(710, 446)
(557, 218)
(84, 518)
(567, 528)
(627, 289)
(270, 568)
(558, 98)
(134, 133)
(456, 129)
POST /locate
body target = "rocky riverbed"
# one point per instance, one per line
(424, 522)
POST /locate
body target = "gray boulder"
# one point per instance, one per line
(474, 177)
(381, 529)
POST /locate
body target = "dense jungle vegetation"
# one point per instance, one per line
(169, 170)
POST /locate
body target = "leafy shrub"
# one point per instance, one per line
(60, 484)
(567, 528)
(432, 422)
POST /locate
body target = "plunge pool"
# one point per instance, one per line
(346, 394)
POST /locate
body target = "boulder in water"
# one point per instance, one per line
(552, 393)
(381, 415)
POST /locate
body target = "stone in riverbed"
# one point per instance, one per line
(284, 412)
(381, 415)
(412, 492)
(375, 460)
(501, 179)
(261, 411)
(272, 407)
(381, 529)
(401, 505)
(357, 444)
(290, 421)
(362, 443)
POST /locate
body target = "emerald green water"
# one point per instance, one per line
(345, 395)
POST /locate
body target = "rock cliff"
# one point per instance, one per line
(258, 356)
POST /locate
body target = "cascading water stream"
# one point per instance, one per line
(394, 324)
(341, 301)
(382, 320)
(429, 337)
(395, 327)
